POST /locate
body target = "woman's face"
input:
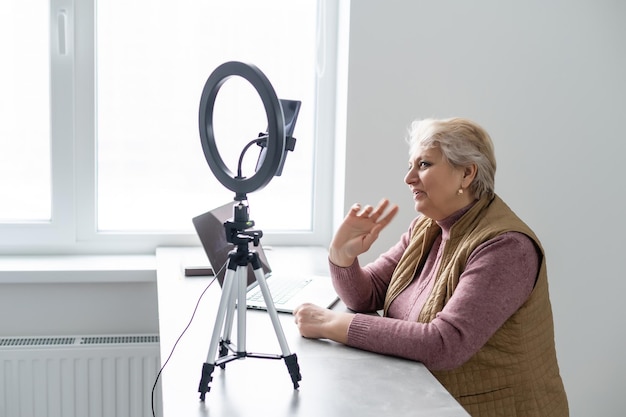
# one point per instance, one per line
(435, 184)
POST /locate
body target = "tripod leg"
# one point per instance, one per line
(225, 306)
(230, 314)
(242, 280)
(224, 310)
(291, 360)
(237, 298)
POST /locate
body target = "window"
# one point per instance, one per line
(25, 115)
(110, 91)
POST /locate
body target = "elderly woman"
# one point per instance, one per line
(464, 290)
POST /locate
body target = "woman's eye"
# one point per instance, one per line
(420, 165)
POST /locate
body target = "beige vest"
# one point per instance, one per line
(516, 372)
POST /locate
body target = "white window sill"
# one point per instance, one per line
(77, 269)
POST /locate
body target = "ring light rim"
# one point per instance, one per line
(275, 119)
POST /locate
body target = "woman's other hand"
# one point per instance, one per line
(315, 322)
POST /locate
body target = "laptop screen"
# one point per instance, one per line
(212, 234)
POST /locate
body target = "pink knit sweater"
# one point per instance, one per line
(498, 278)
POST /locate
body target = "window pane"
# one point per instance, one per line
(152, 62)
(24, 112)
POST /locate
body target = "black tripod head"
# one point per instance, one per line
(237, 229)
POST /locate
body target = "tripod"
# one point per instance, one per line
(234, 298)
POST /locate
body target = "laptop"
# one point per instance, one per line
(288, 292)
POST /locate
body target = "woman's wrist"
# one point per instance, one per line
(340, 259)
(338, 327)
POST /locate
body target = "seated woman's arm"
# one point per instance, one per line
(499, 277)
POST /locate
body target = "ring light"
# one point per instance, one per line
(275, 145)
(275, 124)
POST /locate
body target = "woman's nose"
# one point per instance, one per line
(410, 177)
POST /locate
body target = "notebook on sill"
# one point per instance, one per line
(288, 292)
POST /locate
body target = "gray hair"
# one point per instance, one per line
(463, 143)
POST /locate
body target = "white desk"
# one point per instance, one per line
(336, 380)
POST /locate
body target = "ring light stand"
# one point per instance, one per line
(233, 296)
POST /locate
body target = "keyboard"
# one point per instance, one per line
(281, 289)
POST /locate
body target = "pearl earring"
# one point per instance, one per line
(460, 191)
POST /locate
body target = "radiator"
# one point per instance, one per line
(79, 376)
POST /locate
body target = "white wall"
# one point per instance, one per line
(547, 80)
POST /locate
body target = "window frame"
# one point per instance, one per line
(73, 227)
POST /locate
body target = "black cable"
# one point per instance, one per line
(156, 381)
(258, 141)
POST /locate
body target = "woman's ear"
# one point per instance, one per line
(469, 173)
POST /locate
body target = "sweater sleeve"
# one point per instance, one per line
(499, 277)
(364, 289)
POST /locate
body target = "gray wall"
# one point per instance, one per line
(73, 308)
(547, 80)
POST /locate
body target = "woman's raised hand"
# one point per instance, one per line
(359, 230)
